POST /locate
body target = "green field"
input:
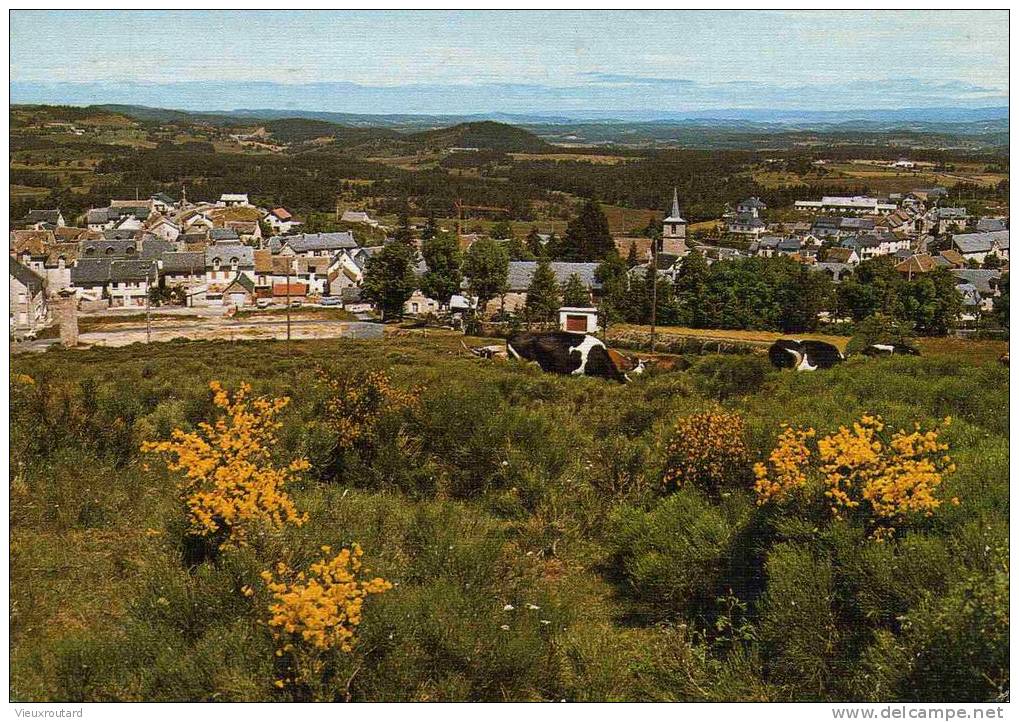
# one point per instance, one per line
(522, 518)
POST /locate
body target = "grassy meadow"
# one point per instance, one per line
(535, 550)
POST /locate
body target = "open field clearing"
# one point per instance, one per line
(596, 158)
(539, 537)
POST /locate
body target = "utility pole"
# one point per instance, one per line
(654, 291)
(148, 306)
(289, 266)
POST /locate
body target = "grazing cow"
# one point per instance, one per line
(573, 354)
(804, 355)
(890, 349)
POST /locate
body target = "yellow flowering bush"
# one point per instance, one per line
(229, 482)
(707, 450)
(784, 474)
(318, 611)
(887, 477)
(357, 403)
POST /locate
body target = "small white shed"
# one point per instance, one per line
(578, 319)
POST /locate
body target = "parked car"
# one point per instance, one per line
(296, 303)
(331, 301)
(263, 303)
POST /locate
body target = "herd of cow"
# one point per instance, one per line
(577, 354)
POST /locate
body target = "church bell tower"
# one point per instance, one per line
(674, 230)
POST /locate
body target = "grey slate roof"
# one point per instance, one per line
(192, 262)
(134, 270)
(521, 272)
(306, 242)
(119, 233)
(112, 248)
(983, 279)
(153, 247)
(980, 242)
(224, 234)
(227, 251)
(28, 278)
(39, 216)
(88, 272)
(952, 213)
(987, 225)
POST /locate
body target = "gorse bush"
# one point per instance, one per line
(229, 483)
(707, 450)
(317, 612)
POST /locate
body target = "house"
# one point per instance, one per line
(858, 205)
(162, 203)
(988, 225)
(950, 220)
(60, 257)
(359, 217)
(224, 260)
(68, 234)
(224, 234)
(950, 258)
(239, 292)
(185, 269)
(247, 231)
(164, 228)
(419, 304)
(835, 270)
(90, 278)
(269, 270)
(746, 224)
(130, 281)
(877, 243)
(521, 273)
(42, 219)
(28, 308)
(977, 246)
(751, 206)
(985, 284)
(916, 265)
(281, 221)
(903, 163)
(312, 244)
(233, 199)
(843, 256)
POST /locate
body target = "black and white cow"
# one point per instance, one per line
(573, 354)
(890, 349)
(804, 355)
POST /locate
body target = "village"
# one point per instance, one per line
(227, 255)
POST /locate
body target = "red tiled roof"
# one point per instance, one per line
(282, 213)
(296, 289)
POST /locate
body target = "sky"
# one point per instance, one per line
(513, 62)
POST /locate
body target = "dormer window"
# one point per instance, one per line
(130, 249)
(234, 263)
(215, 263)
(109, 250)
(90, 250)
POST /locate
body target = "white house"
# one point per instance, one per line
(281, 220)
(233, 199)
(29, 311)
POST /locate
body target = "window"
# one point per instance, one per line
(109, 250)
(215, 264)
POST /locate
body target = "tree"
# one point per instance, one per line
(431, 228)
(403, 232)
(691, 285)
(443, 258)
(587, 235)
(878, 328)
(517, 250)
(543, 293)
(389, 279)
(612, 275)
(932, 303)
(802, 297)
(993, 261)
(575, 293)
(486, 267)
(502, 230)
(534, 244)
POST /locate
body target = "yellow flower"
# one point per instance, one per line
(228, 481)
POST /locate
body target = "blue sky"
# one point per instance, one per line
(525, 61)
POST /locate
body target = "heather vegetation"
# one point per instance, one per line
(393, 520)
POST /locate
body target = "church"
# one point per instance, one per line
(674, 230)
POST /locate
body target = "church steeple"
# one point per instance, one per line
(674, 229)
